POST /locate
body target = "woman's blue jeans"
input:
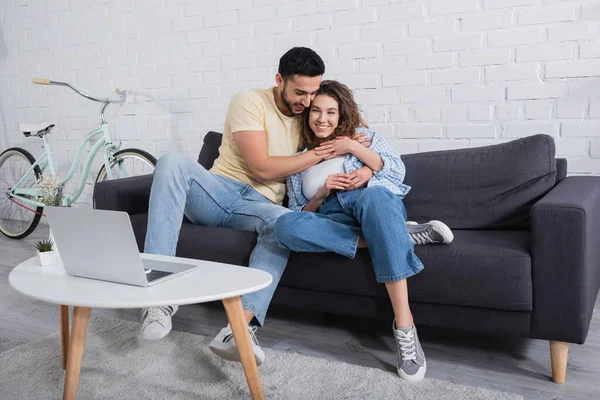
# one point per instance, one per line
(375, 212)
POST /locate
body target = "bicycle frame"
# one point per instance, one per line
(45, 161)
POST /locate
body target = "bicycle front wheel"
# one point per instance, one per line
(127, 163)
(17, 217)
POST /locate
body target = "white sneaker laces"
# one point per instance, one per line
(407, 345)
(421, 238)
(152, 314)
(251, 331)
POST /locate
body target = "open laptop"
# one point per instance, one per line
(100, 244)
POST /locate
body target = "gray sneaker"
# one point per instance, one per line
(411, 359)
(430, 232)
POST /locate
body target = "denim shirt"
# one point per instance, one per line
(391, 175)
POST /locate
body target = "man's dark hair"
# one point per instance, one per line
(301, 61)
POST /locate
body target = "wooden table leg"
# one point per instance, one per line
(64, 333)
(235, 314)
(81, 316)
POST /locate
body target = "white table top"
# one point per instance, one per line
(210, 281)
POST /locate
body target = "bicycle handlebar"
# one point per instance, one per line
(41, 81)
(122, 93)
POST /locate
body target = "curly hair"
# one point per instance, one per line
(349, 120)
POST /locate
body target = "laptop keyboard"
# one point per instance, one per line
(154, 275)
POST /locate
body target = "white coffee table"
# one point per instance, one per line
(211, 281)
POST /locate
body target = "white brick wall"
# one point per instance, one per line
(428, 74)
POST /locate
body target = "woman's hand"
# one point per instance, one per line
(359, 178)
(333, 182)
(341, 146)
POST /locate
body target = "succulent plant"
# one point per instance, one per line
(44, 245)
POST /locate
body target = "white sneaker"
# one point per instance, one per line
(156, 322)
(224, 345)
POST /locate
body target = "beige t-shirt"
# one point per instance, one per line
(255, 110)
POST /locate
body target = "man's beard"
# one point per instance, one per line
(285, 101)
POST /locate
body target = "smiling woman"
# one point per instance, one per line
(333, 113)
(355, 199)
(324, 116)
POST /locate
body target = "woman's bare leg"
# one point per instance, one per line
(398, 292)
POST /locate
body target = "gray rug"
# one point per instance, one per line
(116, 365)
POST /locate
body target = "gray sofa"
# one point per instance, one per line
(524, 261)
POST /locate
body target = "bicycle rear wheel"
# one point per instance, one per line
(17, 218)
(128, 163)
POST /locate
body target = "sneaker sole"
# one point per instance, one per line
(152, 338)
(416, 377)
(443, 230)
(226, 353)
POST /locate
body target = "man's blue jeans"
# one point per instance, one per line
(375, 212)
(182, 186)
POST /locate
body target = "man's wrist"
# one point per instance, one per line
(354, 146)
(315, 156)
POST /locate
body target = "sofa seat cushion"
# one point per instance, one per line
(490, 269)
(486, 269)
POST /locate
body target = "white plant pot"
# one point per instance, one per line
(46, 258)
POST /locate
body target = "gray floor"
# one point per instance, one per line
(507, 364)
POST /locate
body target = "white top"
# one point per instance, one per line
(210, 281)
(314, 178)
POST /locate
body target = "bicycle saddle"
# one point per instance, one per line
(38, 128)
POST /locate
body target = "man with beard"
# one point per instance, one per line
(243, 190)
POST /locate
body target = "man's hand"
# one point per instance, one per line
(341, 146)
(333, 182)
(327, 149)
(359, 178)
(360, 138)
(324, 150)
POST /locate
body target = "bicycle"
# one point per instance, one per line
(20, 210)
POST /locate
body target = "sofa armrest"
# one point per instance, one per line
(128, 194)
(565, 251)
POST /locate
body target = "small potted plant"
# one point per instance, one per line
(45, 252)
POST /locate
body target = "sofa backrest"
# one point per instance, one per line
(491, 187)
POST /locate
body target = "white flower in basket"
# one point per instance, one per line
(50, 193)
